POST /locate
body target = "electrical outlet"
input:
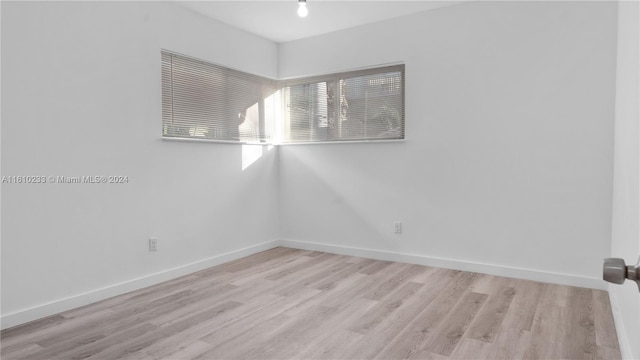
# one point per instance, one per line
(397, 227)
(153, 244)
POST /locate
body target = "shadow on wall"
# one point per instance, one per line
(344, 213)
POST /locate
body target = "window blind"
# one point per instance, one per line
(208, 101)
(201, 100)
(357, 105)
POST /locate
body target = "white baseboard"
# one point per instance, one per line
(71, 302)
(623, 340)
(499, 270)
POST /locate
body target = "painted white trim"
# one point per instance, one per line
(372, 141)
(491, 269)
(230, 142)
(623, 340)
(74, 301)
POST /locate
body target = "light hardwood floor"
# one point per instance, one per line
(293, 304)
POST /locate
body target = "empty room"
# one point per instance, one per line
(320, 179)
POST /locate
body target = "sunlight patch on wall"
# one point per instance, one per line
(273, 112)
(250, 154)
(253, 152)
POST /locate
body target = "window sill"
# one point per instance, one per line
(283, 144)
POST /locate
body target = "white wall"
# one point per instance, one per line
(81, 96)
(508, 158)
(507, 161)
(626, 197)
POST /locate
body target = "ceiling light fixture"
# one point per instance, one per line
(302, 8)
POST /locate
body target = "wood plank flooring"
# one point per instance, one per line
(293, 304)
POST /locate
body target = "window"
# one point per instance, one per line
(358, 105)
(205, 101)
(201, 100)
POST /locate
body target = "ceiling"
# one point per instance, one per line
(278, 21)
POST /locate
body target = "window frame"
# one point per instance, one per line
(337, 76)
(277, 137)
(226, 72)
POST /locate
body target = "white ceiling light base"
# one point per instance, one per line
(302, 8)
